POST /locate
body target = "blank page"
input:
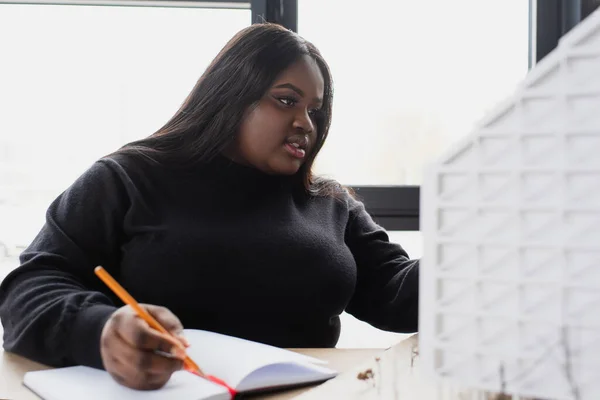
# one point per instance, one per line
(232, 359)
(76, 383)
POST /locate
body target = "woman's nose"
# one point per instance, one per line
(304, 122)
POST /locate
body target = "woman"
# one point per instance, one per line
(218, 218)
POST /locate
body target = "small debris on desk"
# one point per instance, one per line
(365, 375)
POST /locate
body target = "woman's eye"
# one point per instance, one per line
(288, 101)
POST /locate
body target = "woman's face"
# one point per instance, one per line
(278, 134)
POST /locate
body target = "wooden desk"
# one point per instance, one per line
(396, 377)
(13, 368)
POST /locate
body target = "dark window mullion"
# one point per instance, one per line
(396, 208)
(283, 12)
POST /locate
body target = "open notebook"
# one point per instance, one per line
(244, 365)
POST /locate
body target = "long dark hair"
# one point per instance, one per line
(210, 117)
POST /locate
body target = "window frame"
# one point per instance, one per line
(243, 4)
(284, 12)
(554, 18)
(396, 208)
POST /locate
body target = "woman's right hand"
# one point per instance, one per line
(129, 346)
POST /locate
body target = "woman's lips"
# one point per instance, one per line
(295, 150)
(296, 145)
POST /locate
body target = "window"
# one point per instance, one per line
(77, 82)
(411, 78)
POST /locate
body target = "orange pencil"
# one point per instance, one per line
(188, 363)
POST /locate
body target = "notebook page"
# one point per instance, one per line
(76, 383)
(231, 359)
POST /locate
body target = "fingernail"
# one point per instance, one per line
(178, 353)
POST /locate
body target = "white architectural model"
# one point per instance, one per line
(510, 280)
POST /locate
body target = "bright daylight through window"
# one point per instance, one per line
(73, 90)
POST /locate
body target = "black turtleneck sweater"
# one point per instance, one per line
(225, 247)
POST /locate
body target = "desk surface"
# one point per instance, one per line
(13, 367)
(396, 376)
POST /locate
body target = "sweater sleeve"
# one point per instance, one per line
(52, 306)
(387, 288)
